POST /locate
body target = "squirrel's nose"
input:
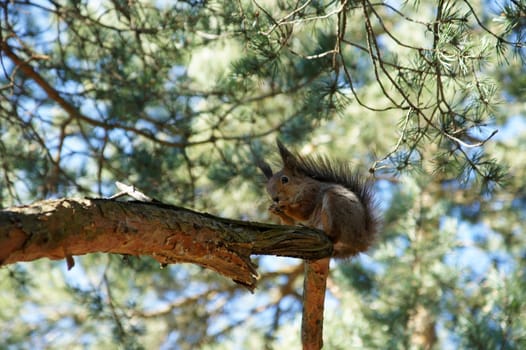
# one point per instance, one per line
(275, 199)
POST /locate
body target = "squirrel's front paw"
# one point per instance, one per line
(275, 209)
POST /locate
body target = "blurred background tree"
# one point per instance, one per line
(179, 97)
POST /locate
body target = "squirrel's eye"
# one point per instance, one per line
(284, 179)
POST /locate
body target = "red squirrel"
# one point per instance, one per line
(317, 192)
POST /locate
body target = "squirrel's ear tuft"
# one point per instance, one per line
(288, 158)
(265, 168)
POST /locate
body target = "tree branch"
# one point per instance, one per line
(314, 286)
(62, 228)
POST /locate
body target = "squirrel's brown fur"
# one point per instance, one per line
(317, 192)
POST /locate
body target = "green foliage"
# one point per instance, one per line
(181, 98)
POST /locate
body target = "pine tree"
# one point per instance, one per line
(181, 98)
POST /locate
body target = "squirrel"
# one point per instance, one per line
(317, 192)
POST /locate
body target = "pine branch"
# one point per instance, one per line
(62, 228)
(72, 111)
(314, 286)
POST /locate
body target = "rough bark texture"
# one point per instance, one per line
(314, 286)
(62, 228)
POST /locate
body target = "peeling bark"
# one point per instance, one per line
(62, 228)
